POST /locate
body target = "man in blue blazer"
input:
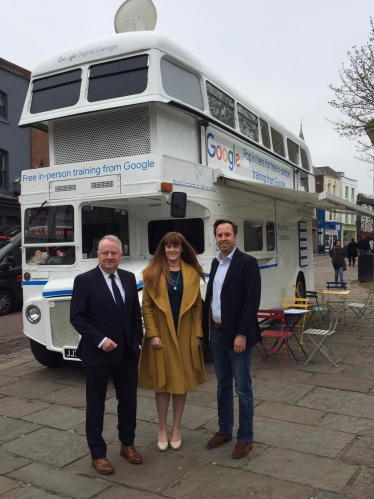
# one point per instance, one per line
(106, 313)
(230, 309)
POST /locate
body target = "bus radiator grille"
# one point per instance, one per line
(63, 333)
(112, 134)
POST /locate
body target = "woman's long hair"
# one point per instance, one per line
(159, 265)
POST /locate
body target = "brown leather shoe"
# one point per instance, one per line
(102, 466)
(241, 449)
(217, 440)
(131, 454)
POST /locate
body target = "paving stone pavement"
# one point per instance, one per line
(314, 429)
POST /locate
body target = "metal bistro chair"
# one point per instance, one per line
(275, 319)
(319, 337)
(298, 321)
(319, 316)
(361, 309)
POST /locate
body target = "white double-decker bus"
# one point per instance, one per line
(131, 118)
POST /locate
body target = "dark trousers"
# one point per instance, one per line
(125, 379)
(351, 259)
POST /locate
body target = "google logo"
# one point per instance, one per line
(222, 153)
(70, 58)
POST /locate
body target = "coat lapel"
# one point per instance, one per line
(191, 280)
(101, 281)
(233, 264)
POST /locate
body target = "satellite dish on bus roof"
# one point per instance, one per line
(135, 15)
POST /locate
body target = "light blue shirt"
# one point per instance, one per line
(108, 280)
(223, 267)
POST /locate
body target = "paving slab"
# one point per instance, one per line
(340, 382)
(208, 386)
(29, 388)
(6, 380)
(9, 462)
(340, 402)
(13, 428)
(293, 375)
(220, 483)
(150, 476)
(73, 396)
(359, 372)
(362, 487)
(280, 391)
(142, 392)
(328, 368)
(299, 467)
(288, 412)
(349, 424)
(202, 398)
(360, 452)
(20, 370)
(194, 416)
(146, 408)
(58, 416)
(309, 439)
(49, 446)
(74, 379)
(28, 492)
(48, 374)
(145, 433)
(126, 493)
(60, 482)
(7, 484)
(14, 407)
(323, 494)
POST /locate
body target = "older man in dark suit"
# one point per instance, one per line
(230, 310)
(105, 311)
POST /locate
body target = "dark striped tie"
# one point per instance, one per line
(117, 294)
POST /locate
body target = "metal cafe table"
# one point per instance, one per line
(337, 306)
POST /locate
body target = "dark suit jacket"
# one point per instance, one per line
(94, 314)
(240, 300)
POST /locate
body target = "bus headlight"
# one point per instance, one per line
(33, 314)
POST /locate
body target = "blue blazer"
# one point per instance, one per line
(94, 314)
(240, 300)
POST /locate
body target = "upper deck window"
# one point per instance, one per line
(293, 151)
(181, 84)
(278, 144)
(265, 134)
(56, 92)
(118, 78)
(304, 159)
(248, 123)
(221, 105)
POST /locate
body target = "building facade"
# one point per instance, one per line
(20, 148)
(348, 189)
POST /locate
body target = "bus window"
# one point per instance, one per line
(56, 92)
(304, 181)
(304, 159)
(50, 225)
(118, 78)
(265, 134)
(248, 123)
(278, 144)
(181, 84)
(191, 228)
(221, 105)
(293, 151)
(98, 222)
(270, 236)
(253, 236)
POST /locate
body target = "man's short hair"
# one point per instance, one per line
(110, 237)
(223, 221)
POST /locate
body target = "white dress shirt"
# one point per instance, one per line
(108, 280)
(223, 267)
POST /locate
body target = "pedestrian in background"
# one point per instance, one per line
(352, 252)
(363, 245)
(171, 361)
(337, 254)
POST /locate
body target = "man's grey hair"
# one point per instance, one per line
(111, 238)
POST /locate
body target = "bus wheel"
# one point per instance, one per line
(6, 302)
(300, 285)
(46, 357)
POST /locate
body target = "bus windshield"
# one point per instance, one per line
(49, 225)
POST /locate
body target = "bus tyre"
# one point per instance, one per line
(6, 302)
(46, 357)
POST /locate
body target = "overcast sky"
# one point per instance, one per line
(281, 54)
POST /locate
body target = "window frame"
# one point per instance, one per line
(264, 125)
(209, 83)
(3, 106)
(274, 139)
(293, 145)
(3, 168)
(254, 121)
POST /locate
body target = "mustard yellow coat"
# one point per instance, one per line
(178, 367)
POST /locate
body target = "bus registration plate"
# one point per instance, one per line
(70, 353)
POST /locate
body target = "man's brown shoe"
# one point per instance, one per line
(217, 440)
(241, 449)
(102, 466)
(131, 454)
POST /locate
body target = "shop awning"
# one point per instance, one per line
(323, 200)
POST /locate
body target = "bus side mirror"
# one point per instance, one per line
(178, 204)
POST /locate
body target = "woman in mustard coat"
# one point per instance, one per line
(171, 360)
